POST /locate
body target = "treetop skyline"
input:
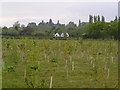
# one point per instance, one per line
(26, 12)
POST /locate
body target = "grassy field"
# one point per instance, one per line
(30, 63)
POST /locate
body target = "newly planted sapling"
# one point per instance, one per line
(108, 73)
(11, 68)
(73, 65)
(112, 59)
(21, 46)
(66, 68)
(54, 60)
(34, 67)
(8, 45)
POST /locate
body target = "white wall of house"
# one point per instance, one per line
(67, 34)
(62, 35)
(56, 35)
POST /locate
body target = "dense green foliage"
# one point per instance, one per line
(30, 63)
(95, 28)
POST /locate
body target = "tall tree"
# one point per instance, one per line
(42, 21)
(58, 22)
(98, 18)
(50, 22)
(103, 19)
(79, 23)
(116, 19)
(95, 19)
(16, 25)
(90, 19)
(119, 19)
(32, 25)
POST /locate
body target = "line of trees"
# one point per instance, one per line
(96, 28)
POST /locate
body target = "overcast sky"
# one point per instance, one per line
(26, 12)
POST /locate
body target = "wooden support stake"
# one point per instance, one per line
(73, 65)
(51, 82)
(93, 65)
(38, 64)
(70, 59)
(91, 62)
(112, 59)
(67, 68)
(25, 73)
(105, 65)
(108, 73)
(45, 56)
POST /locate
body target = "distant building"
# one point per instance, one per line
(62, 35)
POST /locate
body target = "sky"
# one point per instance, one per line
(26, 12)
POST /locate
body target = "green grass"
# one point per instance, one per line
(89, 57)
